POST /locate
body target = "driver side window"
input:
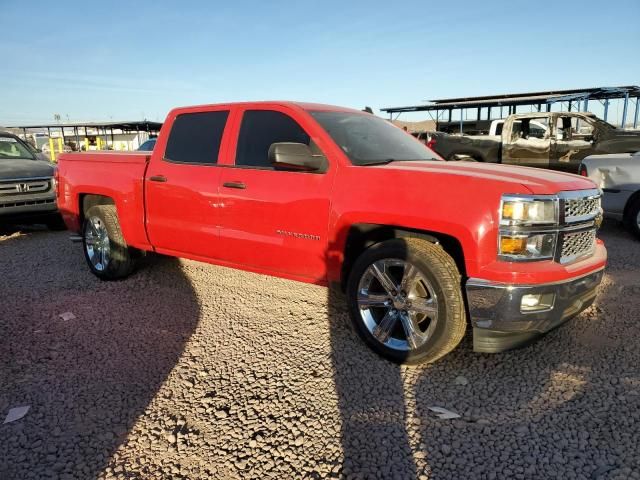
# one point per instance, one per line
(260, 129)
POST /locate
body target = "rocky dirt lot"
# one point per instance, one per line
(187, 370)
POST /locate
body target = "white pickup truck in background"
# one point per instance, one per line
(618, 176)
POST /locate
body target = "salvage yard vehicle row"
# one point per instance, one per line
(330, 195)
(555, 140)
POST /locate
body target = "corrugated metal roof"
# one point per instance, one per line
(121, 125)
(531, 98)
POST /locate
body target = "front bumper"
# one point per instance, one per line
(497, 319)
(16, 206)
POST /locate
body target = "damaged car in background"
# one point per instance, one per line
(554, 140)
(618, 176)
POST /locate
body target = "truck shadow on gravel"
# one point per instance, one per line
(566, 405)
(89, 378)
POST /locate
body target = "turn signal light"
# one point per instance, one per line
(513, 245)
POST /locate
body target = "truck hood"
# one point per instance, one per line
(537, 181)
(22, 168)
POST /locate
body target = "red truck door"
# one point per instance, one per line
(181, 185)
(274, 220)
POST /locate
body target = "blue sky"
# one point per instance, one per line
(128, 60)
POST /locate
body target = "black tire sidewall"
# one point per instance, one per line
(397, 249)
(631, 218)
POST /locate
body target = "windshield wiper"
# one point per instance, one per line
(378, 162)
(389, 160)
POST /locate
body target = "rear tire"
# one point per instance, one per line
(429, 308)
(632, 217)
(105, 249)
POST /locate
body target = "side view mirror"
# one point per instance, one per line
(296, 157)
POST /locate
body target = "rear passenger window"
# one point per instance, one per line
(261, 128)
(195, 137)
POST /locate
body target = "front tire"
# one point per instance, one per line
(105, 249)
(632, 217)
(405, 300)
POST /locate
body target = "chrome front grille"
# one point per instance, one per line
(576, 245)
(581, 208)
(24, 187)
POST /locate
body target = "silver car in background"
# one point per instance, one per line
(618, 176)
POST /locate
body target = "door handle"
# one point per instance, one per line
(158, 178)
(239, 185)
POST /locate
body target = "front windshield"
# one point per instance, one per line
(367, 139)
(12, 149)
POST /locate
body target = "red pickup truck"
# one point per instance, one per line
(330, 195)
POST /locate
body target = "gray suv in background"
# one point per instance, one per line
(27, 185)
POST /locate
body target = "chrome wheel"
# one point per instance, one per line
(96, 243)
(397, 304)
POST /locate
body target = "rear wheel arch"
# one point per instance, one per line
(88, 200)
(362, 236)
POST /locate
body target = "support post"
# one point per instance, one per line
(635, 118)
(52, 153)
(624, 110)
(586, 105)
(606, 109)
(461, 119)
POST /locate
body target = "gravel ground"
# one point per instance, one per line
(187, 370)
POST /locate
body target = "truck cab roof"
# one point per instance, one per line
(287, 103)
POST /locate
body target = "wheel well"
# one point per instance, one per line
(89, 200)
(362, 236)
(477, 157)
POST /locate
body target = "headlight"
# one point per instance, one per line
(521, 211)
(516, 241)
(527, 246)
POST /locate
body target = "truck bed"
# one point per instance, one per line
(112, 174)
(485, 148)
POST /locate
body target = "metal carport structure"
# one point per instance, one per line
(102, 129)
(575, 100)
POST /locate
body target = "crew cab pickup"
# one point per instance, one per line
(330, 195)
(554, 140)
